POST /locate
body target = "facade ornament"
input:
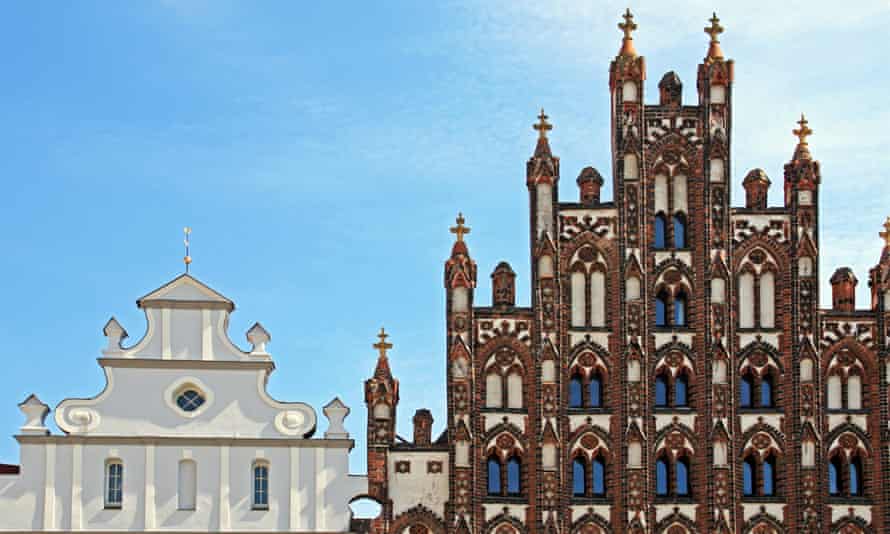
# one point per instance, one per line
(714, 30)
(187, 259)
(460, 231)
(542, 127)
(258, 337)
(336, 412)
(35, 412)
(116, 335)
(628, 27)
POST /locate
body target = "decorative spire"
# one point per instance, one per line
(382, 369)
(543, 126)
(804, 131)
(187, 259)
(885, 235)
(628, 27)
(714, 30)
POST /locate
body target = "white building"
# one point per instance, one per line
(184, 437)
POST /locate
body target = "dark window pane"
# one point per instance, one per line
(661, 310)
(766, 392)
(661, 477)
(579, 476)
(746, 387)
(682, 477)
(660, 226)
(661, 391)
(596, 391)
(513, 476)
(748, 477)
(494, 477)
(855, 476)
(833, 473)
(599, 476)
(769, 469)
(681, 397)
(575, 392)
(679, 231)
(680, 310)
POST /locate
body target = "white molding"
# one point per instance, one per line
(321, 485)
(166, 334)
(294, 488)
(77, 486)
(49, 488)
(149, 521)
(65, 406)
(224, 519)
(206, 335)
(301, 407)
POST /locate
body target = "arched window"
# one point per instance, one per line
(660, 240)
(514, 390)
(681, 390)
(854, 392)
(746, 388)
(766, 391)
(579, 291)
(768, 479)
(749, 466)
(114, 484)
(767, 300)
(514, 476)
(260, 485)
(661, 390)
(595, 389)
(834, 392)
(746, 300)
(494, 476)
(494, 395)
(579, 477)
(597, 299)
(679, 230)
(661, 477)
(835, 467)
(575, 388)
(682, 478)
(855, 478)
(661, 301)
(680, 310)
(599, 476)
(188, 484)
(757, 299)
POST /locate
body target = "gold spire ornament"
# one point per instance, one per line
(885, 235)
(628, 27)
(382, 345)
(542, 127)
(804, 131)
(187, 259)
(714, 30)
(460, 230)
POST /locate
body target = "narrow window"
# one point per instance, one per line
(514, 474)
(769, 482)
(188, 484)
(680, 310)
(660, 228)
(578, 301)
(748, 467)
(596, 390)
(599, 476)
(579, 477)
(661, 477)
(575, 391)
(834, 471)
(597, 299)
(746, 387)
(854, 392)
(681, 393)
(855, 476)
(834, 392)
(494, 395)
(682, 477)
(679, 230)
(767, 300)
(514, 390)
(260, 486)
(661, 390)
(114, 484)
(494, 476)
(746, 300)
(766, 391)
(661, 308)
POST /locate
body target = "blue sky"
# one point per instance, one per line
(321, 152)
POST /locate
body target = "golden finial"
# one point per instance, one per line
(714, 29)
(542, 126)
(460, 230)
(628, 27)
(382, 345)
(187, 259)
(804, 131)
(886, 233)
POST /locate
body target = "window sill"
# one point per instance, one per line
(686, 329)
(520, 411)
(588, 410)
(599, 499)
(757, 329)
(506, 499)
(856, 500)
(669, 499)
(842, 411)
(754, 409)
(192, 509)
(256, 508)
(673, 409)
(754, 499)
(113, 506)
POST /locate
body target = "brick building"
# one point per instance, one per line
(674, 372)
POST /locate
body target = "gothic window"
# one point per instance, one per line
(514, 390)
(260, 485)
(595, 396)
(599, 476)
(504, 478)
(588, 289)
(854, 392)
(749, 467)
(578, 300)
(661, 477)
(682, 477)
(504, 385)
(767, 300)
(575, 389)
(680, 309)
(854, 480)
(757, 294)
(514, 476)
(679, 230)
(844, 390)
(660, 240)
(768, 478)
(661, 301)
(681, 393)
(188, 484)
(597, 299)
(746, 300)
(494, 475)
(834, 392)
(114, 484)
(579, 477)
(746, 389)
(766, 391)
(757, 390)
(759, 475)
(846, 477)
(671, 391)
(672, 477)
(835, 466)
(661, 390)
(673, 204)
(494, 396)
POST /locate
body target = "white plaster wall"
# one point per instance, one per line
(407, 490)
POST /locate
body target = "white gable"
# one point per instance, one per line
(184, 289)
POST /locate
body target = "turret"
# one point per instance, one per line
(423, 427)
(802, 176)
(756, 184)
(590, 182)
(714, 83)
(626, 75)
(843, 290)
(503, 285)
(879, 275)
(381, 397)
(542, 176)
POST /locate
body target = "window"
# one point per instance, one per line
(599, 476)
(260, 486)
(188, 484)
(766, 391)
(503, 391)
(660, 231)
(494, 396)
(747, 386)
(661, 388)
(769, 482)
(514, 390)
(844, 392)
(494, 476)
(189, 400)
(846, 477)
(855, 481)
(661, 477)
(749, 466)
(681, 384)
(114, 484)
(671, 391)
(575, 388)
(579, 303)
(680, 310)
(677, 315)
(661, 301)
(854, 392)
(588, 290)
(514, 474)
(682, 478)
(758, 476)
(596, 390)
(679, 230)
(579, 477)
(757, 297)
(756, 391)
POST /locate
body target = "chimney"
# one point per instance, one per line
(423, 427)
(756, 184)
(843, 290)
(589, 184)
(503, 285)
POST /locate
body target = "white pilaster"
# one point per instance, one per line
(295, 503)
(149, 487)
(49, 488)
(166, 351)
(224, 519)
(321, 486)
(206, 335)
(76, 486)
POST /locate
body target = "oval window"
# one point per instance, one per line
(189, 400)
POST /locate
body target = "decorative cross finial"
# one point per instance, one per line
(628, 26)
(804, 131)
(382, 345)
(542, 126)
(460, 230)
(714, 29)
(187, 259)
(886, 233)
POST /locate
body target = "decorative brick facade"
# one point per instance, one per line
(674, 372)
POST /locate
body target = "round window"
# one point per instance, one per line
(189, 400)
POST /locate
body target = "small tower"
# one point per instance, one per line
(756, 184)
(381, 399)
(590, 183)
(843, 290)
(503, 285)
(670, 90)
(542, 177)
(423, 428)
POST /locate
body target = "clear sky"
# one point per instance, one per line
(321, 152)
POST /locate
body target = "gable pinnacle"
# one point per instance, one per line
(187, 259)
(628, 27)
(382, 346)
(542, 127)
(804, 131)
(885, 235)
(460, 230)
(714, 30)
